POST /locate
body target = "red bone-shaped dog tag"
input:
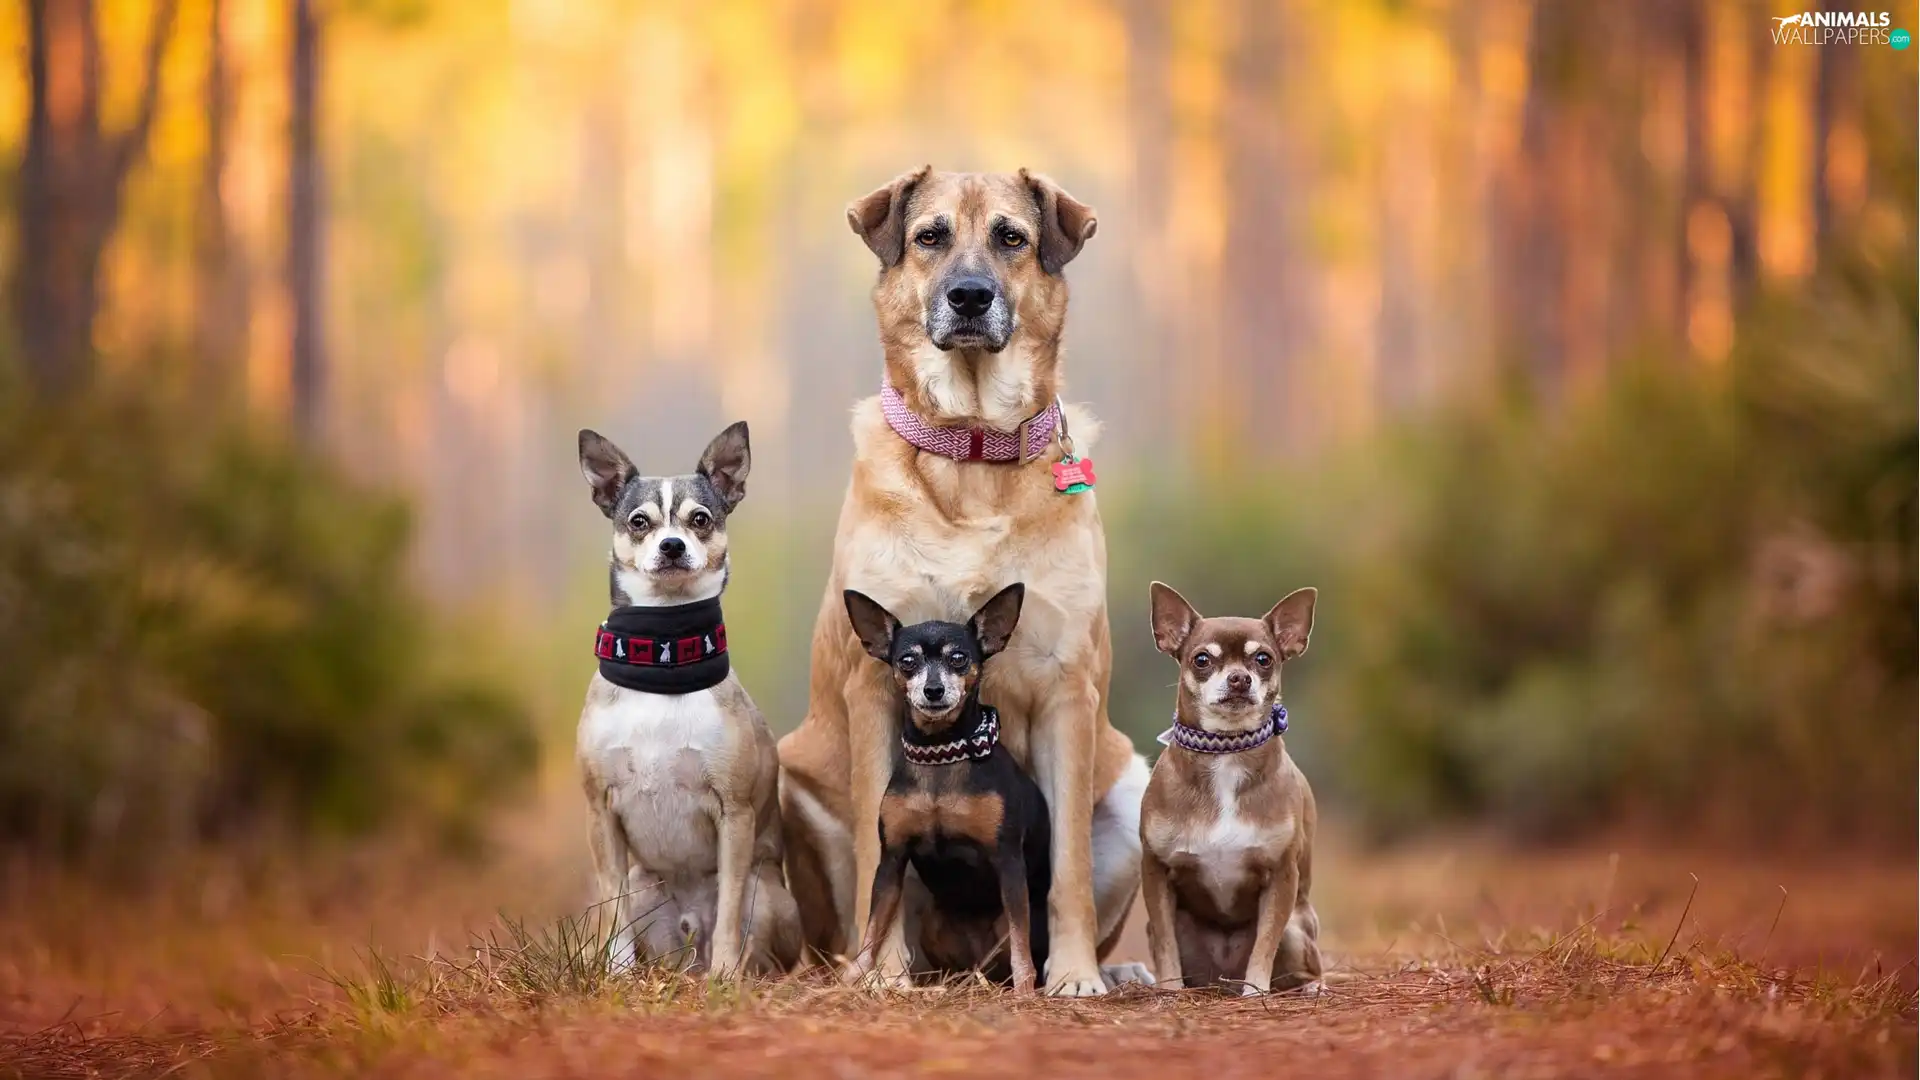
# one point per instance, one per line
(1071, 475)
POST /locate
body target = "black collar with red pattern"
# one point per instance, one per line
(664, 650)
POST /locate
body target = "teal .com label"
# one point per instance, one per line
(1900, 39)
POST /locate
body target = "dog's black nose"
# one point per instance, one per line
(1239, 682)
(971, 297)
(673, 547)
(935, 691)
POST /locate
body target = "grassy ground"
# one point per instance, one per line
(1458, 959)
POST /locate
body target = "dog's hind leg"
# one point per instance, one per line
(1116, 867)
(1299, 965)
(772, 922)
(665, 925)
(819, 869)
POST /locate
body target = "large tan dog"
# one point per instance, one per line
(971, 304)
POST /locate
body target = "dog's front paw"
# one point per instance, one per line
(1118, 975)
(862, 974)
(729, 960)
(1313, 989)
(1254, 987)
(621, 958)
(885, 981)
(1073, 982)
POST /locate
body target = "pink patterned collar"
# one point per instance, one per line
(971, 443)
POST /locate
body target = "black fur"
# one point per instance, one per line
(969, 881)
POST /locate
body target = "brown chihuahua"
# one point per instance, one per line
(1226, 827)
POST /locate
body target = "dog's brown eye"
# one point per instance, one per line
(927, 238)
(1264, 659)
(957, 661)
(909, 664)
(1202, 661)
(1013, 240)
(700, 519)
(638, 522)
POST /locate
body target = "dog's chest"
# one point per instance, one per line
(929, 817)
(652, 754)
(1220, 861)
(968, 531)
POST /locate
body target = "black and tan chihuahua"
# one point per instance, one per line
(959, 809)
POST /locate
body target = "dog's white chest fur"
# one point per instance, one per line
(1218, 856)
(651, 750)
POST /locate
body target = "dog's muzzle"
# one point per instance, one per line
(969, 313)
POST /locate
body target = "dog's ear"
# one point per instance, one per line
(993, 624)
(881, 218)
(1173, 618)
(605, 467)
(725, 463)
(1066, 223)
(873, 624)
(1291, 620)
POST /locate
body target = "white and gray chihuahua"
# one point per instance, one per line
(679, 766)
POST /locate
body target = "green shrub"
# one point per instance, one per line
(1685, 600)
(205, 632)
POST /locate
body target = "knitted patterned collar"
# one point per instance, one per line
(1201, 741)
(971, 443)
(977, 745)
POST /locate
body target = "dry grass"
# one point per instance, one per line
(541, 1002)
(1463, 961)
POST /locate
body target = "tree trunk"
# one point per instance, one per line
(221, 300)
(67, 202)
(1531, 287)
(303, 223)
(1267, 298)
(1692, 27)
(1742, 206)
(1149, 113)
(1832, 89)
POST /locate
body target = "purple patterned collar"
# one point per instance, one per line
(977, 745)
(1201, 741)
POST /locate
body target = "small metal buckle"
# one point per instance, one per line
(1021, 434)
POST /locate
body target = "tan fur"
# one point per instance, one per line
(1227, 839)
(924, 813)
(931, 538)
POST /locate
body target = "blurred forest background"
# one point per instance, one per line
(1568, 347)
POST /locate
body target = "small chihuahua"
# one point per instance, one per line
(679, 767)
(1226, 825)
(958, 809)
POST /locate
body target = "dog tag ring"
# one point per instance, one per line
(1071, 475)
